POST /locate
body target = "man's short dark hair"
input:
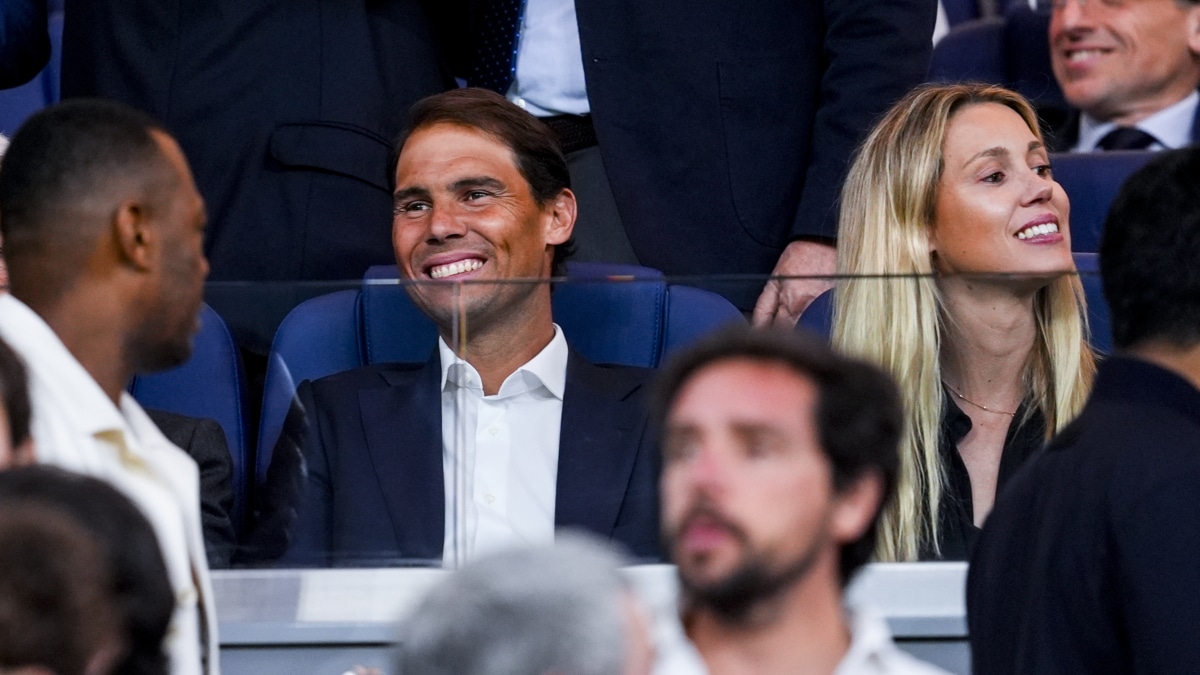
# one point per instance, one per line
(62, 158)
(538, 154)
(859, 416)
(145, 599)
(1150, 253)
(14, 394)
(56, 605)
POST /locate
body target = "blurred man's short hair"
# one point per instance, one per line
(1150, 253)
(560, 609)
(57, 607)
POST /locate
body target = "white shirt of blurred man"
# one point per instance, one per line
(1129, 63)
(755, 525)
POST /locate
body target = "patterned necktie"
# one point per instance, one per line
(1126, 138)
(494, 61)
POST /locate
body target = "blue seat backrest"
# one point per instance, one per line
(210, 384)
(818, 318)
(18, 103)
(970, 52)
(1091, 181)
(1027, 60)
(960, 11)
(611, 313)
(1099, 322)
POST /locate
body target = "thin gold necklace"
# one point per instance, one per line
(977, 405)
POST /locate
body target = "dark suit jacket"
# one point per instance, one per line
(1065, 136)
(727, 127)
(373, 454)
(204, 440)
(24, 43)
(286, 110)
(1089, 562)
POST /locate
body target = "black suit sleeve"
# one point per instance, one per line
(204, 440)
(24, 41)
(291, 522)
(876, 52)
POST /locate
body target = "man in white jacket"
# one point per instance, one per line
(102, 229)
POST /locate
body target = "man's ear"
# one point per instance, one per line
(1192, 21)
(856, 506)
(132, 234)
(562, 212)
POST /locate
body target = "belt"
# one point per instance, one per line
(574, 132)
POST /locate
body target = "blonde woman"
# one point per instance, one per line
(985, 329)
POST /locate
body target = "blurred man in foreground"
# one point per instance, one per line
(778, 458)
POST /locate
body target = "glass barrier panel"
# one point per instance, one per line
(389, 423)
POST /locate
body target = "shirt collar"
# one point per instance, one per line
(870, 641)
(1172, 126)
(548, 369)
(52, 365)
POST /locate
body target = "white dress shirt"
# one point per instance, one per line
(549, 79)
(508, 446)
(871, 652)
(76, 426)
(1172, 126)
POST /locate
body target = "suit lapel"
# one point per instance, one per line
(402, 424)
(599, 426)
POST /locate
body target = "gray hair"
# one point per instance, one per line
(527, 611)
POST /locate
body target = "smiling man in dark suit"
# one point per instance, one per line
(541, 438)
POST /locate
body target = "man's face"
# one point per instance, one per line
(1122, 60)
(463, 212)
(748, 498)
(179, 218)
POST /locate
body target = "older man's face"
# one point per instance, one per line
(1122, 60)
(463, 212)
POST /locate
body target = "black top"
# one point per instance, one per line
(1090, 562)
(956, 522)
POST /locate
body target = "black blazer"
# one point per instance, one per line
(373, 457)
(285, 109)
(726, 128)
(24, 42)
(204, 440)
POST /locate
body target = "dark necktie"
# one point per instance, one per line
(1126, 138)
(494, 60)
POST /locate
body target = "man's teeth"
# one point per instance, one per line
(460, 267)
(1083, 54)
(1037, 230)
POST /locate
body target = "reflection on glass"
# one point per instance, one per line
(343, 467)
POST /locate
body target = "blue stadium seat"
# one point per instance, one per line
(1099, 323)
(1011, 50)
(610, 313)
(960, 11)
(210, 384)
(1091, 181)
(18, 103)
(970, 52)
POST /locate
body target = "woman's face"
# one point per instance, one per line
(998, 210)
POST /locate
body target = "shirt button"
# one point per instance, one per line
(493, 430)
(489, 498)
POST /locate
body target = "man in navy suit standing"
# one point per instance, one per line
(706, 137)
(505, 433)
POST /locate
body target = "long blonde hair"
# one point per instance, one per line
(886, 219)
